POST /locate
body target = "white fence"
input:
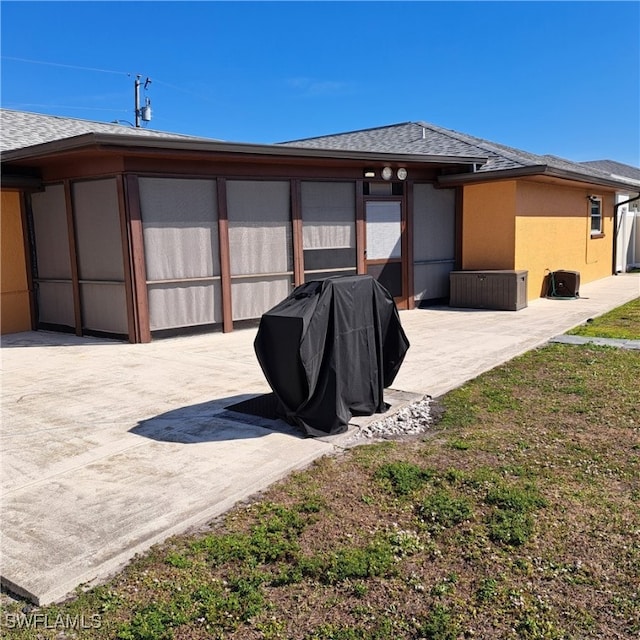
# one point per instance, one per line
(628, 236)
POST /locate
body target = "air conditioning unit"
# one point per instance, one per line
(563, 284)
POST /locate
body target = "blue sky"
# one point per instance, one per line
(547, 77)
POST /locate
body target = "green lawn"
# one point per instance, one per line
(516, 517)
(623, 322)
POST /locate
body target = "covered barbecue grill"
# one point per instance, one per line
(329, 350)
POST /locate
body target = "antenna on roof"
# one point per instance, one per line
(143, 114)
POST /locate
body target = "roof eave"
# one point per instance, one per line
(533, 170)
(125, 142)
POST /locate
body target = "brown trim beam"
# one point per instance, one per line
(296, 224)
(361, 237)
(138, 271)
(458, 227)
(73, 258)
(408, 208)
(132, 315)
(26, 217)
(225, 256)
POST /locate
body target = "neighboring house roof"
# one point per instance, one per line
(422, 137)
(616, 169)
(20, 129)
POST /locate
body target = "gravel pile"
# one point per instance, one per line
(412, 420)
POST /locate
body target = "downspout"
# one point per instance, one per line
(615, 231)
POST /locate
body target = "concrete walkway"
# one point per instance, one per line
(108, 448)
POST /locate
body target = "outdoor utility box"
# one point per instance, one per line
(502, 290)
(329, 350)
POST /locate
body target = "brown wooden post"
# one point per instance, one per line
(225, 257)
(458, 227)
(73, 258)
(137, 272)
(408, 249)
(361, 237)
(27, 239)
(297, 241)
(132, 312)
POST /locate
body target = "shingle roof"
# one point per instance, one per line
(20, 129)
(410, 138)
(422, 137)
(615, 168)
(25, 135)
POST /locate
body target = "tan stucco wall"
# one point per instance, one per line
(553, 232)
(488, 227)
(535, 226)
(14, 304)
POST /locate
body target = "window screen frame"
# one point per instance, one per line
(595, 215)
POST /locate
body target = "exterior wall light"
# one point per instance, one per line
(369, 173)
(401, 173)
(387, 173)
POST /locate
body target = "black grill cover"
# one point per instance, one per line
(329, 350)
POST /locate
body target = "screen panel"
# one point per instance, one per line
(182, 251)
(433, 223)
(389, 275)
(431, 280)
(51, 233)
(55, 303)
(104, 307)
(384, 230)
(433, 241)
(254, 296)
(184, 305)
(260, 236)
(328, 229)
(180, 228)
(98, 233)
(328, 215)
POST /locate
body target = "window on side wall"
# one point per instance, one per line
(595, 205)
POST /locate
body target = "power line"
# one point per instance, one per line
(20, 105)
(122, 73)
(67, 66)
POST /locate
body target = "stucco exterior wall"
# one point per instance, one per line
(553, 232)
(488, 228)
(14, 303)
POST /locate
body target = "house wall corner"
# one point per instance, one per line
(15, 297)
(488, 225)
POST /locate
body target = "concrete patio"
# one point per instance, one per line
(108, 448)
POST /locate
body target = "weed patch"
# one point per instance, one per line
(510, 527)
(440, 624)
(375, 559)
(515, 498)
(441, 510)
(402, 478)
